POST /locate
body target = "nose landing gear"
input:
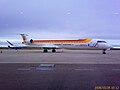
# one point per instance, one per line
(104, 51)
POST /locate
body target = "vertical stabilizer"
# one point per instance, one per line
(24, 37)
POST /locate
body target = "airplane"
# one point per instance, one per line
(80, 44)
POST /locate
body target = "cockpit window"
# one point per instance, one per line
(101, 42)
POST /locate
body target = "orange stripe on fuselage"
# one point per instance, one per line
(62, 41)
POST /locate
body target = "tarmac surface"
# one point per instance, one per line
(64, 70)
(61, 56)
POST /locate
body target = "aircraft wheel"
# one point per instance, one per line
(45, 50)
(53, 50)
(104, 52)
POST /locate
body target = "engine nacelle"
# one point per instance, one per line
(31, 40)
(27, 42)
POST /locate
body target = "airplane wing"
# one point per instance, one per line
(44, 46)
(50, 46)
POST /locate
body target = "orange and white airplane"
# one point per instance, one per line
(80, 44)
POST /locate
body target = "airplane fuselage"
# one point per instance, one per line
(80, 44)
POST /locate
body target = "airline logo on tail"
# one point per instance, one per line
(24, 38)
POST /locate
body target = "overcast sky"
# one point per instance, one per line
(60, 19)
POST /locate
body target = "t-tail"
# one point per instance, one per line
(26, 40)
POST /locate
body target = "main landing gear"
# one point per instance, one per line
(53, 50)
(46, 50)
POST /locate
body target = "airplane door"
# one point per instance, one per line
(92, 44)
